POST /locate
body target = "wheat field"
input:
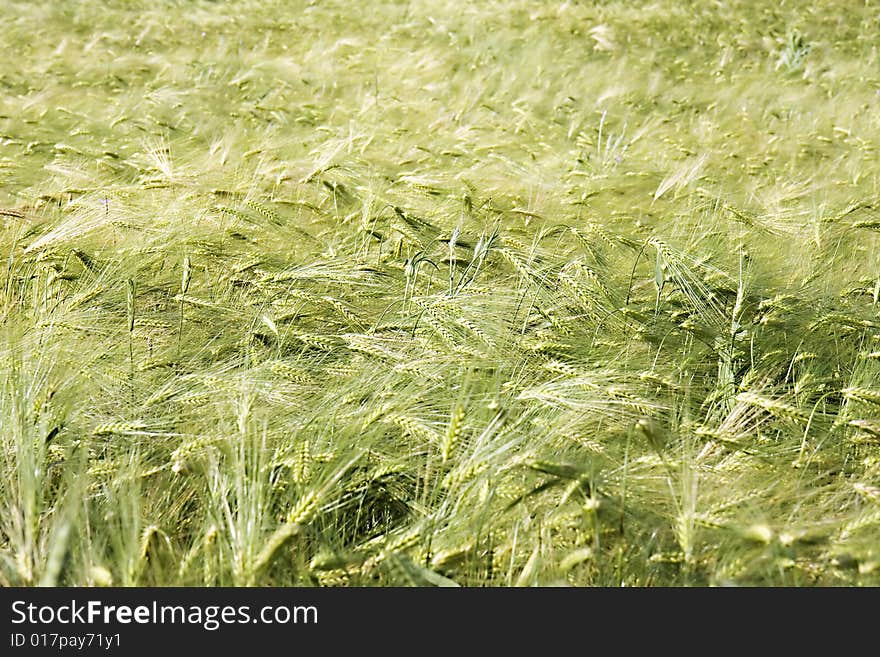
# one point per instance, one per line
(436, 293)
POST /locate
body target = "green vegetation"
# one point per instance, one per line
(503, 293)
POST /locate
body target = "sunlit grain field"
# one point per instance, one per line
(504, 293)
